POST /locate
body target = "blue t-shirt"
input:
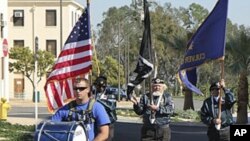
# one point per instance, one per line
(99, 114)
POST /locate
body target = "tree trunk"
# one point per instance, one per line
(188, 101)
(242, 102)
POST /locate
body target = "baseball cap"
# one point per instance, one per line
(215, 85)
(101, 81)
(157, 81)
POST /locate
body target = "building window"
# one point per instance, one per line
(18, 43)
(51, 46)
(18, 17)
(50, 17)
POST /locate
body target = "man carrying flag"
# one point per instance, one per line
(208, 43)
(218, 128)
(155, 107)
(66, 82)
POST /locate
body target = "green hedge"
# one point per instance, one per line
(16, 132)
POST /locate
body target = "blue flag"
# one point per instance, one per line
(144, 66)
(189, 78)
(208, 43)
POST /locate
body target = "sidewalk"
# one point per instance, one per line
(29, 103)
(32, 121)
(26, 103)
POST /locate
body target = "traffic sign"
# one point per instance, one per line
(5, 47)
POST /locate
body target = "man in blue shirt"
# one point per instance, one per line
(96, 121)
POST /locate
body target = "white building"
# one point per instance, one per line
(28, 19)
(4, 74)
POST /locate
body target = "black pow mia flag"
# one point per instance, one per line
(144, 66)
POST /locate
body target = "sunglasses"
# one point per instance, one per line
(79, 88)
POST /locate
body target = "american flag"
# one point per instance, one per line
(74, 60)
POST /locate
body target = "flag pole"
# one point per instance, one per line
(152, 114)
(97, 63)
(94, 50)
(220, 93)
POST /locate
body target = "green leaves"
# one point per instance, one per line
(23, 61)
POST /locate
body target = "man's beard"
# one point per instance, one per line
(157, 93)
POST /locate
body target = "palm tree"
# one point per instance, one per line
(239, 50)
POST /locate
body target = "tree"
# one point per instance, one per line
(239, 48)
(23, 62)
(118, 37)
(109, 68)
(191, 18)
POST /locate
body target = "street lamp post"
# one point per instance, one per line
(119, 60)
(128, 48)
(35, 80)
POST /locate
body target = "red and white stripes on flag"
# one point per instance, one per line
(74, 60)
(57, 92)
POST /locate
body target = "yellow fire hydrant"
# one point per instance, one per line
(4, 108)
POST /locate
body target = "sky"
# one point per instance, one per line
(238, 10)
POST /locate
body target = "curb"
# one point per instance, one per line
(139, 120)
(196, 124)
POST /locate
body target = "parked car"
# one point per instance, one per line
(114, 90)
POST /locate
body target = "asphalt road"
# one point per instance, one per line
(127, 130)
(131, 132)
(178, 102)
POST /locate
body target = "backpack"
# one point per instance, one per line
(87, 113)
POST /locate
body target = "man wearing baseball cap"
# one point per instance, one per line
(218, 128)
(156, 112)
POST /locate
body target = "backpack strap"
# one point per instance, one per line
(89, 109)
(72, 108)
(91, 104)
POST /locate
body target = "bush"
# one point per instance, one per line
(126, 112)
(187, 114)
(16, 132)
